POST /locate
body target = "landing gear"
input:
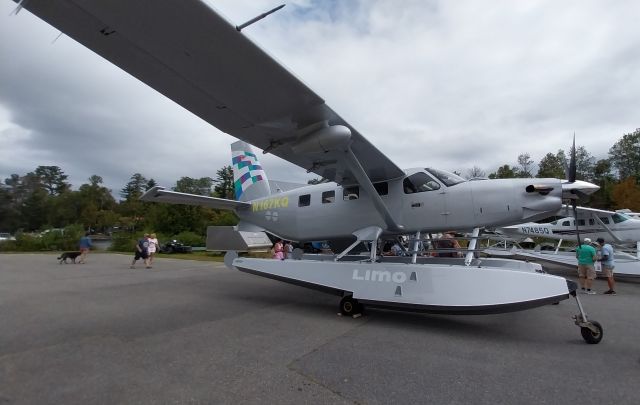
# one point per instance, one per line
(591, 331)
(350, 306)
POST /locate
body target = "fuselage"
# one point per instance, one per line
(424, 200)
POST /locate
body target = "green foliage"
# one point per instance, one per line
(123, 242)
(50, 239)
(625, 155)
(188, 238)
(224, 187)
(503, 172)
(552, 166)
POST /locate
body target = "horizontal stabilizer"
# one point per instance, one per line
(159, 194)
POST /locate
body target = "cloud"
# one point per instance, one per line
(438, 83)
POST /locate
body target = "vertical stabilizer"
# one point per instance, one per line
(249, 179)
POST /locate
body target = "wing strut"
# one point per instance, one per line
(365, 182)
(615, 238)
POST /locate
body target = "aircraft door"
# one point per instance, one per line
(424, 204)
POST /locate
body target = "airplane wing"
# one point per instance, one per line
(187, 51)
(159, 194)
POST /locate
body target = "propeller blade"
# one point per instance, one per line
(574, 204)
(572, 162)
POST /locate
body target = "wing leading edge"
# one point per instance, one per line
(191, 54)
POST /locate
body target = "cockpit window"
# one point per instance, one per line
(449, 179)
(419, 182)
(617, 218)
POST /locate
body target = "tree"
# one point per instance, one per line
(552, 166)
(626, 194)
(584, 164)
(201, 186)
(136, 186)
(53, 179)
(503, 172)
(526, 165)
(475, 172)
(603, 177)
(224, 185)
(624, 155)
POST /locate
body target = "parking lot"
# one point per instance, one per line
(197, 332)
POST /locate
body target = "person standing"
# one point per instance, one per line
(142, 251)
(153, 248)
(606, 260)
(278, 250)
(288, 250)
(586, 255)
(85, 245)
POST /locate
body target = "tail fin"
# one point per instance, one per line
(249, 180)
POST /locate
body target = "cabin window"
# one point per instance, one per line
(617, 218)
(605, 220)
(581, 222)
(351, 193)
(304, 200)
(419, 182)
(382, 188)
(328, 197)
(566, 223)
(592, 221)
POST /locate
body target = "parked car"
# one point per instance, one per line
(6, 236)
(174, 247)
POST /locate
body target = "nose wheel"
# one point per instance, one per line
(591, 331)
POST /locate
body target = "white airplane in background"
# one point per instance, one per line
(187, 51)
(616, 227)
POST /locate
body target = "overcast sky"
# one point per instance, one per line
(449, 84)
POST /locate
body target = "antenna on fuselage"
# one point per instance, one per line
(258, 18)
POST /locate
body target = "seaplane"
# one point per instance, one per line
(191, 54)
(615, 227)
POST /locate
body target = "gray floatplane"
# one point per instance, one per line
(187, 51)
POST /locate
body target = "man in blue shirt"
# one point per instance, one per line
(84, 245)
(142, 252)
(606, 258)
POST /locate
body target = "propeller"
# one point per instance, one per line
(572, 179)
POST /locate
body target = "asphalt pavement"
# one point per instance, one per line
(196, 332)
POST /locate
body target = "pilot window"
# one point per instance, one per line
(604, 220)
(351, 193)
(382, 188)
(419, 182)
(617, 218)
(328, 197)
(581, 222)
(304, 200)
(566, 223)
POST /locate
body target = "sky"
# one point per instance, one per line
(448, 84)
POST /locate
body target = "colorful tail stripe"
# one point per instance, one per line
(246, 171)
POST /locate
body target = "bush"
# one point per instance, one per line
(122, 242)
(55, 239)
(188, 238)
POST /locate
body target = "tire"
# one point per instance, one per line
(589, 336)
(168, 249)
(350, 306)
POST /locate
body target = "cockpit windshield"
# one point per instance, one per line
(449, 179)
(619, 217)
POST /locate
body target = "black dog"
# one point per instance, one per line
(68, 255)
